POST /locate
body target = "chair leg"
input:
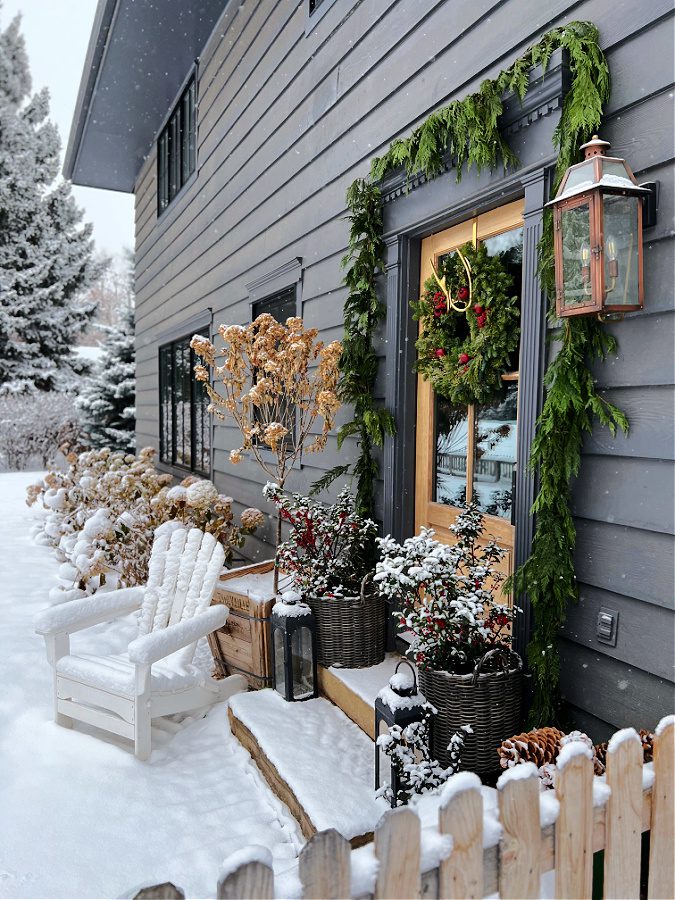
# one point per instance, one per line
(143, 732)
(57, 646)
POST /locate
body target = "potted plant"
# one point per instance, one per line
(275, 380)
(328, 554)
(448, 598)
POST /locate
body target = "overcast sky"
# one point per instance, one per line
(57, 34)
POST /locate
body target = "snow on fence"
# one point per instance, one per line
(574, 828)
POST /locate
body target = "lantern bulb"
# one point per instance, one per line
(585, 254)
(610, 245)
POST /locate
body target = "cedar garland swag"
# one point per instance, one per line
(468, 130)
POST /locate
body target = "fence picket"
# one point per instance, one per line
(397, 848)
(661, 865)
(324, 866)
(623, 823)
(520, 849)
(251, 881)
(574, 829)
(461, 816)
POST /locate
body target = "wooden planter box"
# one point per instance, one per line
(242, 646)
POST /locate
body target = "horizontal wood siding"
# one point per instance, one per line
(286, 120)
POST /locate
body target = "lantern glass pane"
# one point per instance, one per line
(385, 763)
(620, 227)
(581, 176)
(575, 224)
(303, 670)
(279, 656)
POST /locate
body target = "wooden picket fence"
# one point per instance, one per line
(526, 850)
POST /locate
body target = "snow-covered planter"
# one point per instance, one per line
(102, 513)
(447, 599)
(329, 555)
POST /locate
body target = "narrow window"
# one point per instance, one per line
(177, 148)
(280, 306)
(184, 432)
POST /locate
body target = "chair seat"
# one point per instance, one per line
(116, 674)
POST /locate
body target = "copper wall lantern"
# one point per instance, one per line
(598, 236)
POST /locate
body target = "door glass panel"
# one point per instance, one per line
(451, 452)
(495, 454)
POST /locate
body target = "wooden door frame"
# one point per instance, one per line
(427, 211)
(427, 511)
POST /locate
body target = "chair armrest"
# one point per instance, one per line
(149, 648)
(86, 611)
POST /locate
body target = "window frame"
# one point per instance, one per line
(173, 174)
(168, 455)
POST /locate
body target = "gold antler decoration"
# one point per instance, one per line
(444, 287)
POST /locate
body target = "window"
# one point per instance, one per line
(280, 306)
(176, 148)
(184, 426)
(314, 4)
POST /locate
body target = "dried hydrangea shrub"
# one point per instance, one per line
(102, 513)
(279, 384)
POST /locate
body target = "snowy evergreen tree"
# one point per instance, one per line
(107, 400)
(45, 252)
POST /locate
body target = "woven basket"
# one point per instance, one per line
(488, 700)
(350, 631)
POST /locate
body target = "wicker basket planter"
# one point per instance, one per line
(350, 631)
(489, 700)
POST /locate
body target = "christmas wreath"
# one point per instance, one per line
(470, 326)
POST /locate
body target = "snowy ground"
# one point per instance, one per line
(79, 815)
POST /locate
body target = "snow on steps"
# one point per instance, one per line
(355, 690)
(318, 762)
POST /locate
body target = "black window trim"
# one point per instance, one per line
(175, 468)
(191, 78)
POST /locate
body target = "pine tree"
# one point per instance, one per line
(45, 253)
(108, 397)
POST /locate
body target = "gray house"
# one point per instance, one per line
(239, 127)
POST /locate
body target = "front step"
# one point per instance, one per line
(354, 690)
(317, 761)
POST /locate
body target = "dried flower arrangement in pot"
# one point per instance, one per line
(447, 598)
(328, 555)
(276, 381)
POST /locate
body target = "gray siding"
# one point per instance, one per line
(287, 120)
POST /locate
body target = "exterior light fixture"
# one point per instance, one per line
(598, 236)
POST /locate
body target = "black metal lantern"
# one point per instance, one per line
(294, 648)
(598, 236)
(400, 703)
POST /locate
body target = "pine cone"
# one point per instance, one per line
(647, 738)
(540, 746)
(600, 758)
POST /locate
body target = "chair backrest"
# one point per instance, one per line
(183, 571)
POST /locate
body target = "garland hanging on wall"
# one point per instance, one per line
(468, 130)
(470, 326)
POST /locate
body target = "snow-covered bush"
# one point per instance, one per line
(328, 547)
(33, 427)
(447, 594)
(102, 512)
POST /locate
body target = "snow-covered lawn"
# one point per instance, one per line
(79, 815)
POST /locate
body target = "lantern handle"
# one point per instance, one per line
(405, 662)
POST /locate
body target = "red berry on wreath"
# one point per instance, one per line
(463, 293)
(478, 309)
(439, 353)
(481, 321)
(463, 358)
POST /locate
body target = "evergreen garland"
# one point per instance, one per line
(468, 130)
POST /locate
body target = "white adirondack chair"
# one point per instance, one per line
(155, 677)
